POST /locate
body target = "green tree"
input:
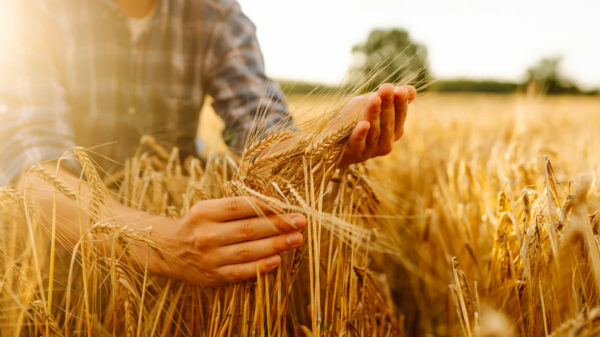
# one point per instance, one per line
(546, 77)
(389, 56)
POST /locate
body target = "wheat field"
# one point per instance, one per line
(483, 221)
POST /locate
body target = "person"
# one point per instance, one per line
(105, 72)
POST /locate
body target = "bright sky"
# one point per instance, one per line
(312, 39)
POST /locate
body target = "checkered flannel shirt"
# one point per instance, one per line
(73, 77)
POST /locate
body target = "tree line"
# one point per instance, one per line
(392, 56)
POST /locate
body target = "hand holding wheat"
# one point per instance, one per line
(226, 240)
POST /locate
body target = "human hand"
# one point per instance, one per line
(225, 241)
(380, 117)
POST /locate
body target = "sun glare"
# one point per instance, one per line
(6, 20)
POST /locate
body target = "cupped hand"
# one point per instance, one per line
(380, 118)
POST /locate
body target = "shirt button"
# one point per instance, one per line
(131, 111)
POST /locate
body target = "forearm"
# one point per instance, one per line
(71, 217)
(203, 247)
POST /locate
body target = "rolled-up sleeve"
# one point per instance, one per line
(242, 94)
(34, 113)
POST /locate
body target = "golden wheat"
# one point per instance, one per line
(483, 222)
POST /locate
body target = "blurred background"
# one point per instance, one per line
(464, 45)
(455, 45)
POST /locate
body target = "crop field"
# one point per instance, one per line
(483, 221)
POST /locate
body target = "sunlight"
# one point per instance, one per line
(6, 21)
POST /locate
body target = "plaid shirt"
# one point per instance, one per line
(74, 77)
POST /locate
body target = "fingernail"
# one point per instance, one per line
(273, 261)
(298, 222)
(294, 239)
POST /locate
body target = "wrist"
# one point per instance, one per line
(159, 230)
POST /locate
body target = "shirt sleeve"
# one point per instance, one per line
(242, 94)
(34, 114)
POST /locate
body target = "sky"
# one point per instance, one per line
(312, 39)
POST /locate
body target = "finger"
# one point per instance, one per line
(387, 117)
(258, 249)
(412, 92)
(373, 111)
(239, 272)
(258, 228)
(233, 208)
(358, 139)
(401, 96)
